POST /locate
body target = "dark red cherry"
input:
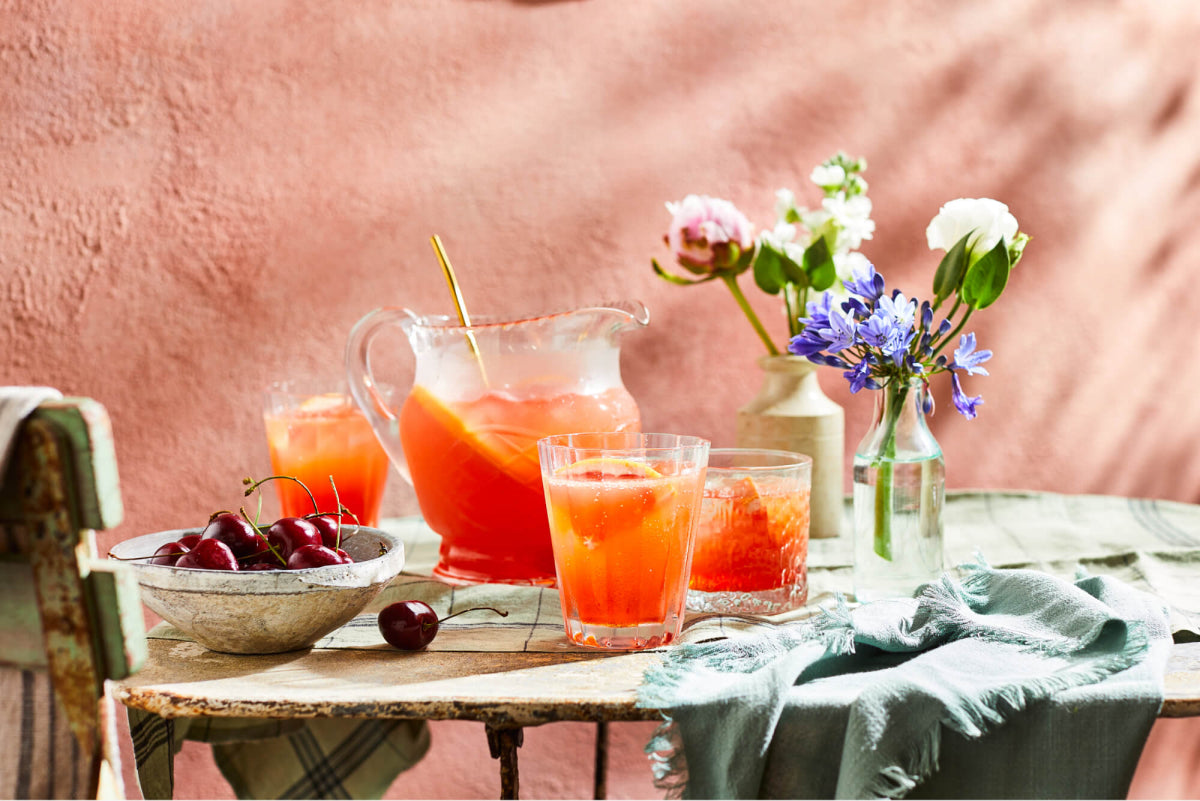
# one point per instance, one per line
(307, 556)
(263, 566)
(347, 558)
(288, 534)
(210, 554)
(235, 531)
(411, 625)
(408, 625)
(190, 540)
(169, 553)
(328, 526)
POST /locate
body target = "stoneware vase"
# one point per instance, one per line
(791, 413)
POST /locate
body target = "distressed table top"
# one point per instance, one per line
(184, 679)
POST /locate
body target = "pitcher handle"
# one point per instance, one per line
(363, 387)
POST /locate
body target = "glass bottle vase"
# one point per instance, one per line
(899, 492)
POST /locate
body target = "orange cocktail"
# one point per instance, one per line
(313, 437)
(622, 519)
(751, 552)
(474, 466)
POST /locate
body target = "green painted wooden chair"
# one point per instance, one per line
(68, 619)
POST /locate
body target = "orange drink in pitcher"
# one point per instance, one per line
(623, 510)
(466, 434)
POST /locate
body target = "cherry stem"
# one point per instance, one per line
(263, 537)
(473, 609)
(111, 555)
(338, 503)
(253, 485)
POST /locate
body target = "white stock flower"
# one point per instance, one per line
(831, 175)
(853, 216)
(989, 219)
(785, 201)
(783, 239)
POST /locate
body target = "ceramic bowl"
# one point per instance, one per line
(264, 612)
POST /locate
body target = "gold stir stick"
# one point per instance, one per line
(459, 305)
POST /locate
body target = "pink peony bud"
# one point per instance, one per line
(707, 233)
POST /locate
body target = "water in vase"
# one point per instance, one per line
(913, 535)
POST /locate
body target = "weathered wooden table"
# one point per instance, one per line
(505, 691)
(1154, 545)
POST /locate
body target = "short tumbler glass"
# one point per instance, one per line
(622, 509)
(751, 551)
(315, 431)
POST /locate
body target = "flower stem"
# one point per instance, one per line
(731, 282)
(893, 406)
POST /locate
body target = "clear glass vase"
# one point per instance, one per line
(899, 491)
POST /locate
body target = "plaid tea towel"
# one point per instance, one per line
(1008, 684)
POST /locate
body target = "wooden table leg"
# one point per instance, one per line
(503, 744)
(601, 775)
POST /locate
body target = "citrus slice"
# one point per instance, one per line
(607, 467)
(606, 495)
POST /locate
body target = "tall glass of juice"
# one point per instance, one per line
(751, 554)
(623, 510)
(314, 433)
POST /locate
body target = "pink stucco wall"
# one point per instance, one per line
(198, 198)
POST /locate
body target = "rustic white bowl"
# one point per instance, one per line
(269, 611)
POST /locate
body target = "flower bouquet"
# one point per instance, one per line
(887, 341)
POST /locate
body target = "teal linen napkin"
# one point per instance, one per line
(1008, 684)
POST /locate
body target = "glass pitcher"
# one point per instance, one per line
(465, 436)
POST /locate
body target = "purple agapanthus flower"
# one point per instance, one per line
(882, 330)
(865, 282)
(969, 359)
(964, 403)
(899, 308)
(818, 311)
(808, 342)
(860, 376)
(841, 333)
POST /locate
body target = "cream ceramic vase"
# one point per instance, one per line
(791, 413)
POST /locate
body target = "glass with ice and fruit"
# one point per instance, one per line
(623, 509)
(314, 433)
(751, 552)
(466, 434)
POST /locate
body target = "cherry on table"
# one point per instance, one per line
(412, 625)
(210, 554)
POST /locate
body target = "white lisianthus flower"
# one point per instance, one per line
(828, 175)
(853, 216)
(988, 219)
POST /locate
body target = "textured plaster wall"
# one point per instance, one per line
(198, 198)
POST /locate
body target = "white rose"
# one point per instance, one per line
(988, 219)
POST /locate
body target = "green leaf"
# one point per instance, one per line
(949, 273)
(986, 278)
(818, 264)
(792, 273)
(768, 271)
